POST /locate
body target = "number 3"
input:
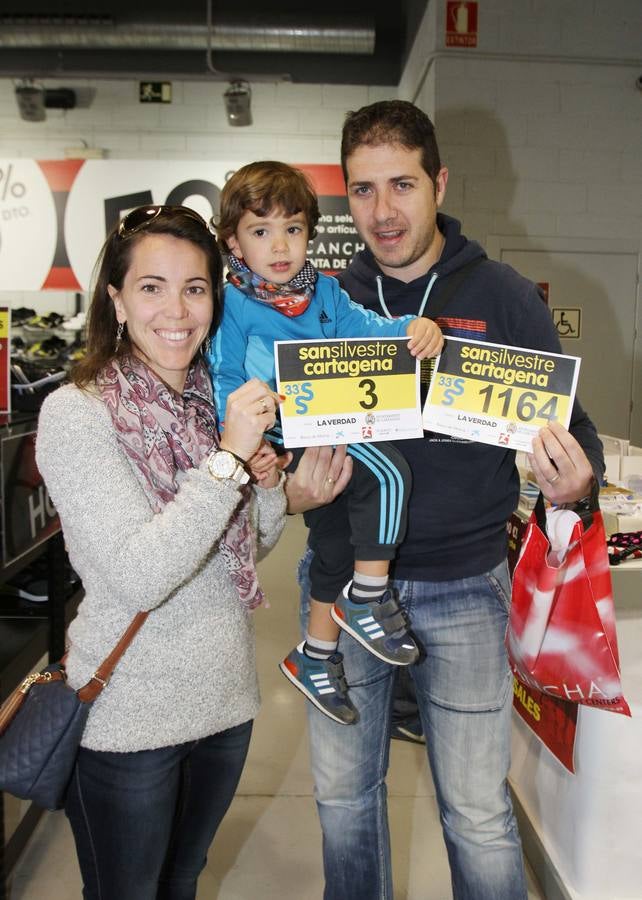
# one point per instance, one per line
(369, 386)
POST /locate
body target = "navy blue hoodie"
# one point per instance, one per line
(463, 491)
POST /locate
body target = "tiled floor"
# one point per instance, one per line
(269, 844)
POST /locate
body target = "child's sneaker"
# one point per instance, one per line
(381, 627)
(323, 682)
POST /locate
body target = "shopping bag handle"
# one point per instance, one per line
(584, 508)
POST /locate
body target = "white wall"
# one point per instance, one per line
(541, 124)
(292, 122)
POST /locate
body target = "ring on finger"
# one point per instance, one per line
(264, 405)
(556, 477)
(330, 479)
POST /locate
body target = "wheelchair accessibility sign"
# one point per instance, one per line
(567, 321)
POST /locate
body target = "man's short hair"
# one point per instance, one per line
(391, 122)
(263, 187)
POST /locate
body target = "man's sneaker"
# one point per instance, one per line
(408, 730)
(323, 682)
(382, 628)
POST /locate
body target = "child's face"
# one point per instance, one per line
(272, 246)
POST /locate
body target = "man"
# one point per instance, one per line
(451, 570)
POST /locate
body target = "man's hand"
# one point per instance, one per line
(561, 468)
(321, 475)
(426, 338)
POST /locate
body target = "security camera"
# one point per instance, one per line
(238, 97)
(34, 100)
(31, 102)
(638, 82)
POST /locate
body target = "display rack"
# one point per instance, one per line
(28, 631)
(24, 640)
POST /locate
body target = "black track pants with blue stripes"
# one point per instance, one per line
(368, 521)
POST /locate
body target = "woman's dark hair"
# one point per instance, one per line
(391, 122)
(112, 267)
(262, 187)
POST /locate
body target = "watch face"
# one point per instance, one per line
(222, 464)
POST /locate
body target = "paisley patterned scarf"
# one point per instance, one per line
(163, 432)
(291, 299)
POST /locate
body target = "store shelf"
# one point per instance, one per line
(29, 631)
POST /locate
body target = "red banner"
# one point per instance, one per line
(553, 721)
(5, 377)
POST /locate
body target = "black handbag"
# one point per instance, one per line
(41, 726)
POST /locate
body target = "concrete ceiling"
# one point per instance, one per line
(339, 42)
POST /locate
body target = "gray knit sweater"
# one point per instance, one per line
(190, 671)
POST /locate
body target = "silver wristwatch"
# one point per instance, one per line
(224, 465)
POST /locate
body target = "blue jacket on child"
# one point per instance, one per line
(243, 346)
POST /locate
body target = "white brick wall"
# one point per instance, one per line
(541, 124)
(294, 122)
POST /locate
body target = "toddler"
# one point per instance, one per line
(269, 212)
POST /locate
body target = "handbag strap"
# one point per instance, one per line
(86, 694)
(103, 673)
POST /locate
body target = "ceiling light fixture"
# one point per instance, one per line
(238, 99)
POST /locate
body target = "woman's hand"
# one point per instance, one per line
(321, 475)
(426, 338)
(251, 410)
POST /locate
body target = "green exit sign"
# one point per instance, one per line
(155, 92)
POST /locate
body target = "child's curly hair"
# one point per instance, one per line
(263, 187)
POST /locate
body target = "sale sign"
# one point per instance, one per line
(553, 720)
(55, 214)
(498, 394)
(347, 391)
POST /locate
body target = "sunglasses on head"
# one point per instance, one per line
(139, 218)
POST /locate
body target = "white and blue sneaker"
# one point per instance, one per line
(323, 682)
(381, 627)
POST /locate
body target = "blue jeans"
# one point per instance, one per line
(143, 822)
(464, 695)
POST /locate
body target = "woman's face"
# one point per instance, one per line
(166, 301)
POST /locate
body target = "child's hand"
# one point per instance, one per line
(262, 462)
(426, 338)
(266, 466)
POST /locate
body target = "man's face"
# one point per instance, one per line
(394, 206)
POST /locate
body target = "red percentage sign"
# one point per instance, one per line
(15, 188)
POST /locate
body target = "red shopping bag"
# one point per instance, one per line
(561, 635)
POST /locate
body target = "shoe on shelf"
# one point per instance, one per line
(32, 586)
(382, 628)
(32, 583)
(18, 347)
(408, 730)
(48, 350)
(323, 682)
(42, 325)
(21, 315)
(75, 323)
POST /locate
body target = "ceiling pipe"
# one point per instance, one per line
(264, 35)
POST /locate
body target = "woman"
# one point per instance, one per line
(158, 515)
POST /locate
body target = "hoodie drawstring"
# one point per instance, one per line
(422, 306)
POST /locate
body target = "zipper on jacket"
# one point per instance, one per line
(422, 306)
